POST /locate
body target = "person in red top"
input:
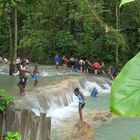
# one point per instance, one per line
(65, 62)
(96, 66)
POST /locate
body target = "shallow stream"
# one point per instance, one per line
(54, 96)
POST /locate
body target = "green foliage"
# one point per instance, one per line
(125, 97)
(12, 136)
(125, 1)
(4, 39)
(64, 39)
(4, 100)
(134, 138)
(75, 28)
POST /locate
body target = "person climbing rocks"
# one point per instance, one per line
(82, 102)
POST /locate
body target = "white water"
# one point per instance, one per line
(53, 73)
(58, 110)
(58, 113)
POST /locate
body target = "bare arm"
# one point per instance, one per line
(25, 71)
(102, 64)
(82, 96)
(89, 63)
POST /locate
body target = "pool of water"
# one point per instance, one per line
(118, 128)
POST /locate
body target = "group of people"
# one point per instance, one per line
(73, 63)
(3, 60)
(80, 65)
(21, 70)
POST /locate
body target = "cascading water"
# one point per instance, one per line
(54, 97)
(58, 101)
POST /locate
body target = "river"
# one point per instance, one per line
(54, 96)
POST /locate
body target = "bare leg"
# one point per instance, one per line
(87, 70)
(103, 72)
(57, 66)
(35, 83)
(22, 88)
(95, 71)
(80, 113)
(111, 76)
(81, 69)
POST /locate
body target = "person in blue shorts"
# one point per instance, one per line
(35, 75)
(82, 102)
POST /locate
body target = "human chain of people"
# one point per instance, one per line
(73, 64)
(80, 65)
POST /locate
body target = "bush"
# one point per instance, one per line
(12, 136)
(4, 100)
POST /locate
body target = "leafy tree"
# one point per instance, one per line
(79, 28)
(8, 9)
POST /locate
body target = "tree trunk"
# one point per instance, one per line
(117, 27)
(15, 38)
(13, 44)
(11, 66)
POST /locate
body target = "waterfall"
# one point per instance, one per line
(59, 101)
(56, 101)
(27, 123)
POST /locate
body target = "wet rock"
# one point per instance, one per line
(82, 131)
(102, 116)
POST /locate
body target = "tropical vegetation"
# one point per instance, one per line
(88, 29)
(5, 100)
(12, 135)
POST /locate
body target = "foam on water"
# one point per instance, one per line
(60, 113)
(53, 73)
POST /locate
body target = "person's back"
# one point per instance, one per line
(96, 65)
(76, 64)
(94, 92)
(57, 59)
(112, 72)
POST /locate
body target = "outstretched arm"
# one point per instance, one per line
(89, 63)
(27, 72)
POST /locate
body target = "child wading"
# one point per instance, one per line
(82, 102)
(35, 75)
